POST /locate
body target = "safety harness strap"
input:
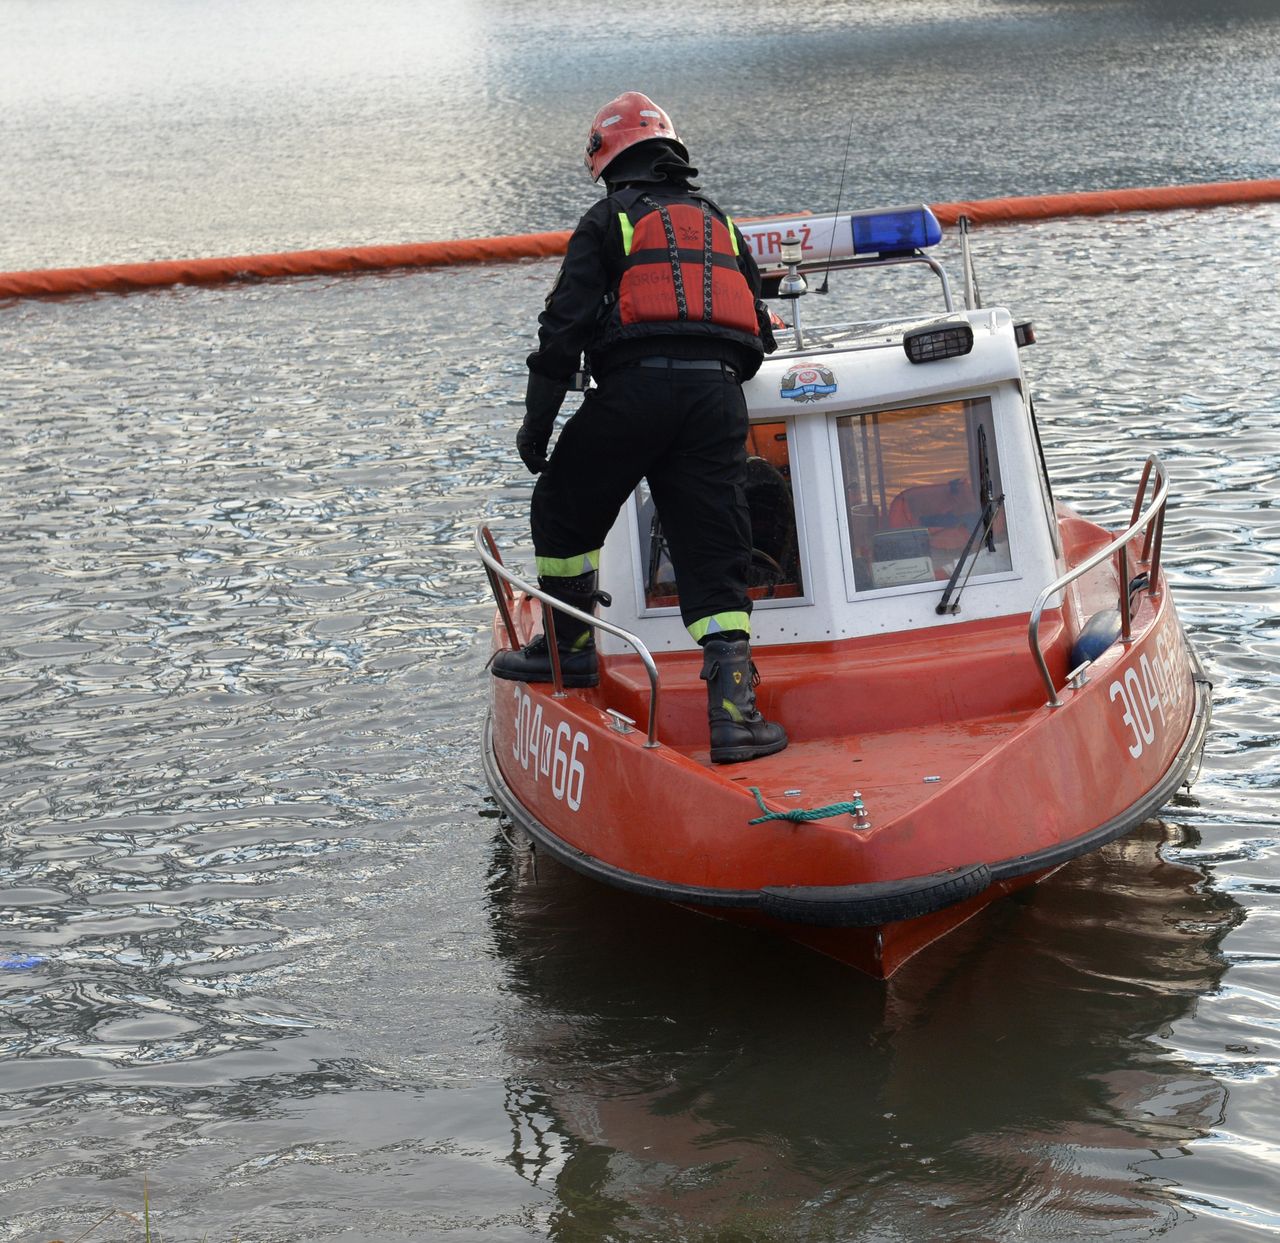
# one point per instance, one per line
(706, 262)
(673, 254)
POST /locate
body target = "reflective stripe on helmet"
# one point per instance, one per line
(622, 123)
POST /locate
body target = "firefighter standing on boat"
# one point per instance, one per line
(660, 293)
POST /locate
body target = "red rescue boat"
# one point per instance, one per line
(978, 684)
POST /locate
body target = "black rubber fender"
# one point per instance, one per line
(877, 902)
(1099, 633)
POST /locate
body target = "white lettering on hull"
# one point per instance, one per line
(1153, 688)
(550, 753)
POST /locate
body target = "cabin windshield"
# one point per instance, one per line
(774, 572)
(915, 480)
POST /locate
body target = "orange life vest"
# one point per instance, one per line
(680, 267)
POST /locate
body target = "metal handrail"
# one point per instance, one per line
(812, 267)
(1153, 520)
(501, 580)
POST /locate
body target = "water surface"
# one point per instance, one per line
(262, 935)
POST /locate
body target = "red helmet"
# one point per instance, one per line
(623, 122)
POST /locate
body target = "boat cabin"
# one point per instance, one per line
(894, 476)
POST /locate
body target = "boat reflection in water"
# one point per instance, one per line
(679, 1077)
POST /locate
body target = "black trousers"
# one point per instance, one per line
(682, 429)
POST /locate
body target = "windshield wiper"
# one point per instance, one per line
(981, 534)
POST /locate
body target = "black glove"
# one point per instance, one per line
(542, 401)
(764, 318)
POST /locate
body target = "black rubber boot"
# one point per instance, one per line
(575, 640)
(738, 731)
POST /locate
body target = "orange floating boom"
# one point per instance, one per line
(1104, 202)
(125, 277)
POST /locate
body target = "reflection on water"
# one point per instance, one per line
(751, 1089)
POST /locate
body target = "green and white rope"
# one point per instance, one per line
(800, 815)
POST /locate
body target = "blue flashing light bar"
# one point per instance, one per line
(896, 232)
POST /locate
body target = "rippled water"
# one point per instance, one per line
(142, 130)
(262, 937)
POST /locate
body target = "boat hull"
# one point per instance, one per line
(963, 811)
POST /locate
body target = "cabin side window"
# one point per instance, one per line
(919, 482)
(774, 571)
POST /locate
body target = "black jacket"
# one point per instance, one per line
(571, 325)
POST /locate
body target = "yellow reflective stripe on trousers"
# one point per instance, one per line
(717, 623)
(568, 567)
(628, 231)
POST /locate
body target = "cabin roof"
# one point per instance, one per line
(870, 367)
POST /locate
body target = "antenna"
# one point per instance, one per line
(844, 168)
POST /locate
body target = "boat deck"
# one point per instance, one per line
(893, 770)
(897, 718)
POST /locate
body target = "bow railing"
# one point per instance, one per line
(504, 583)
(1150, 521)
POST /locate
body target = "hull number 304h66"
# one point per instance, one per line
(1142, 696)
(550, 753)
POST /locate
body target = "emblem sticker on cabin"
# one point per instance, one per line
(808, 383)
